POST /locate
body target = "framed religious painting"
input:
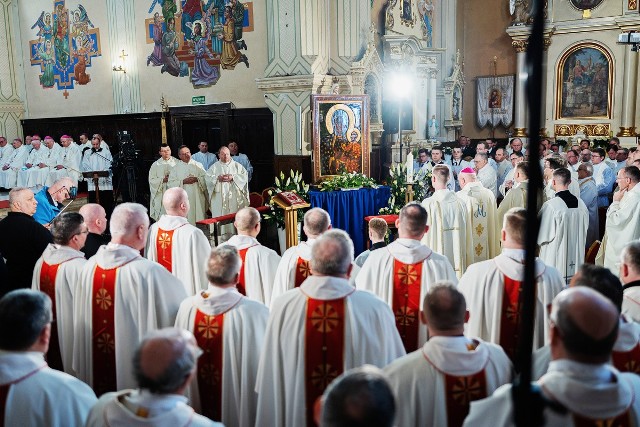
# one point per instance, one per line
(340, 135)
(584, 82)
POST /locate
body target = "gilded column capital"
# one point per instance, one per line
(633, 4)
(546, 43)
(520, 45)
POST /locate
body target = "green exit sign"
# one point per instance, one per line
(197, 100)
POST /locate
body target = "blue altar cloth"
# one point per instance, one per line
(347, 209)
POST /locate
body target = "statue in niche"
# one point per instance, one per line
(520, 11)
(434, 127)
(426, 10)
(371, 89)
(456, 104)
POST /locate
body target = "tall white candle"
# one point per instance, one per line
(410, 168)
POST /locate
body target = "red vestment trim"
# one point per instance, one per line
(103, 328)
(622, 420)
(303, 270)
(164, 244)
(510, 317)
(407, 280)
(460, 392)
(627, 361)
(324, 348)
(4, 393)
(208, 331)
(242, 288)
(48, 286)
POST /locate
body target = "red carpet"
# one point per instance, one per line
(4, 204)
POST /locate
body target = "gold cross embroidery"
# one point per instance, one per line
(322, 376)
(466, 389)
(405, 316)
(208, 327)
(103, 299)
(324, 318)
(407, 275)
(165, 241)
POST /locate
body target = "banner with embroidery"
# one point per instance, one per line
(48, 275)
(103, 329)
(209, 334)
(164, 246)
(303, 270)
(406, 301)
(460, 392)
(324, 348)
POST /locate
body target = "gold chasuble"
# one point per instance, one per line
(303, 270)
(627, 361)
(209, 334)
(103, 328)
(164, 245)
(510, 319)
(48, 286)
(460, 392)
(406, 301)
(324, 348)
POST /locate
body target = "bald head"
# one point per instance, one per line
(316, 222)
(22, 200)
(584, 325)
(176, 202)
(95, 217)
(165, 361)
(332, 254)
(248, 221)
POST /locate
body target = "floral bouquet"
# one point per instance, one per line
(293, 183)
(348, 181)
(398, 184)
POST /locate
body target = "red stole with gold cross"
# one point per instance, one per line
(303, 270)
(242, 288)
(510, 316)
(48, 275)
(164, 246)
(103, 328)
(627, 361)
(406, 301)
(460, 392)
(324, 348)
(622, 420)
(209, 334)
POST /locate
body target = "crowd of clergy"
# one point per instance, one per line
(156, 327)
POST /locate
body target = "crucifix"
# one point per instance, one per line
(122, 56)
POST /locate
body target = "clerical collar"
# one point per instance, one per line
(599, 373)
(378, 245)
(633, 284)
(149, 405)
(569, 199)
(517, 255)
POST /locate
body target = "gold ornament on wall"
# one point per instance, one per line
(599, 129)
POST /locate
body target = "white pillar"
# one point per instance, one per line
(520, 118)
(629, 89)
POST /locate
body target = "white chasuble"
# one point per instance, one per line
(622, 226)
(119, 298)
(182, 249)
(69, 158)
(631, 301)
(491, 289)
(258, 271)
(449, 234)
(482, 219)
(563, 233)
(31, 177)
(196, 192)
(159, 170)
(515, 198)
(293, 269)
(14, 162)
(227, 197)
(391, 273)
(295, 367)
(436, 384)
(56, 274)
(230, 329)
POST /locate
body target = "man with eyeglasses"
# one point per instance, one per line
(573, 160)
(515, 158)
(457, 164)
(585, 155)
(56, 273)
(50, 200)
(622, 218)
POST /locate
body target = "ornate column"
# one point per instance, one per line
(11, 103)
(629, 89)
(520, 117)
(433, 97)
(421, 112)
(545, 80)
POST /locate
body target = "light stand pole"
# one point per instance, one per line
(400, 126)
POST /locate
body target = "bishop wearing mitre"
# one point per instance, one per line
(159, 180)
(191, 176)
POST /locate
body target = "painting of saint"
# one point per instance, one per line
(46, 54)
(495, 98)
(156, 56)
(406, 10)
(341, 149)
(426, 10)
(61, 33)
(172, 64)
(585, 74)
(231, 56)
(202, 74)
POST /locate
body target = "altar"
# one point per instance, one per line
(348, 208)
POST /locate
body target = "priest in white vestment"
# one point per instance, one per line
(259, 263)
(402, 273)
(68, 162)
(517, 196)
(426, 381)
(457, 164)
(230, 329)
(178, 246)
(29, 174)
(630, 278)
(297, 363)
(551, 164)
(56, 274)
(448, 231)
(626, 350)
(492, 290)
(508, 182)
(294, 268)
(481, 218)
(589, 195)
(31, 393)
(165, 365)
(47, 167)
(241, 158)
(13, 163)
(159, 179)
(563, 227)
(191, 176)
(227, 181)
(579, 376)
(486, 173)
(5, 149)
(623, 217)
(125, 296)
(99, 159)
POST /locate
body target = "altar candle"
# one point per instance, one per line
(410, 168)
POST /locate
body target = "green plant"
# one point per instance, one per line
(398, 184)
(348, 180)
(292, 183)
